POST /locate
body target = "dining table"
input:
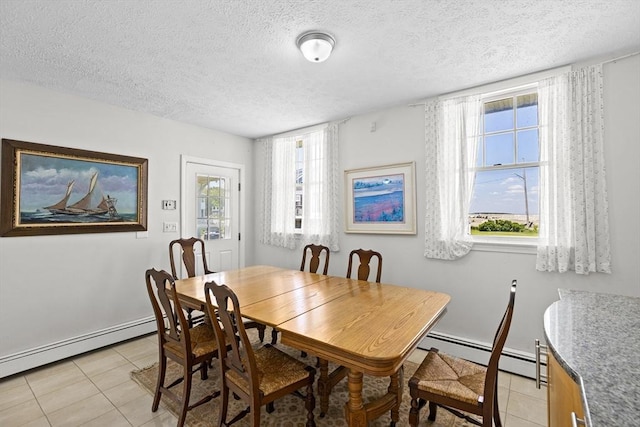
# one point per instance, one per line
(366, 328)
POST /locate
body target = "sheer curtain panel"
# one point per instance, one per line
(319, 189)
(451, 130)
(574, 223)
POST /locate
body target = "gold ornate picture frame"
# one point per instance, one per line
(57, 190)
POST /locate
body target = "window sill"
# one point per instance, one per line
(505, 246)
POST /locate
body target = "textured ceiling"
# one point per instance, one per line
(234, 65)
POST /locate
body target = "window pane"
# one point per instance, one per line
(299, 182)
(211, 207)
(480, 152)
(500, 149)
(214, 230)
(201, 208)
(528, 146)
(498, 115)
(214, 187)
(202, 185)
(527, 113)
(499, 196)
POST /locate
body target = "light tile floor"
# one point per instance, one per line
(95, 390)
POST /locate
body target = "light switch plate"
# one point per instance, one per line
(169, 227)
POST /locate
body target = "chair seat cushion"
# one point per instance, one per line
(276, 370)
(203, 341)
(452, 377)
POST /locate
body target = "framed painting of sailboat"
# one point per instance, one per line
(57, 190)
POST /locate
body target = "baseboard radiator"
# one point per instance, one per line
(514, 361)
(53, 352)
(517, 362)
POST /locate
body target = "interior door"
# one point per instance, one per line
(211, 211)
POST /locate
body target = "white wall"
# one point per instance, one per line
(69, 293)
(478, 283)
(61, 295)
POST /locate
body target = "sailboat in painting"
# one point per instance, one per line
(84, 206)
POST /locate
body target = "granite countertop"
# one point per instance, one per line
(596, 338)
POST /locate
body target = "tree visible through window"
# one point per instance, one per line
(505, 192)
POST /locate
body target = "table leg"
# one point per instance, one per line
(354, 410)
(323, 386)
(327, 381)
(395, 387)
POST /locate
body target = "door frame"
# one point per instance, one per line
(184, 159)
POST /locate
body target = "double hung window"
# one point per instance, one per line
(300, 189)
(521, 165)
(504, 199)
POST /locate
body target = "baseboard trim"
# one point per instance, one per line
(53, 352)
(514, 361)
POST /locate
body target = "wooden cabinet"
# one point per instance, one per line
(564, 396)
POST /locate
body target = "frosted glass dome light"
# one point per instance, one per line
(316, 47)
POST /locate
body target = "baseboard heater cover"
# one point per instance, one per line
(53, 352)
(513, 361)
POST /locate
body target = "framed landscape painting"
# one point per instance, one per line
(56, 190)
(381, 199)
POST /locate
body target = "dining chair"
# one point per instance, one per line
(316, 252)
(314, 263)
(188, 249)
(458, 385)
(259, 375)
(191, 347)
(364, 268)
(335, 376)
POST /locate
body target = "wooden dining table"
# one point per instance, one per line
(364, 327)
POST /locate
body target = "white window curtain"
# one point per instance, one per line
(574, 223)
(451, 131)
(320, 218)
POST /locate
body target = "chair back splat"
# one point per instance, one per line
(314, 262)
(364, 268)
(458, 385)
(258, 376)
(188, 249)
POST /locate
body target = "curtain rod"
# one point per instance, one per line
(306, 129)
(618, 58)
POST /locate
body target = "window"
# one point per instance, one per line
(299, 182)
(300, 189)
(212, 199)
(482, 152)
(504, 202)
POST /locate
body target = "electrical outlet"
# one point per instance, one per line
(169, 227)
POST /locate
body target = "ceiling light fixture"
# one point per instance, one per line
(316, 46)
